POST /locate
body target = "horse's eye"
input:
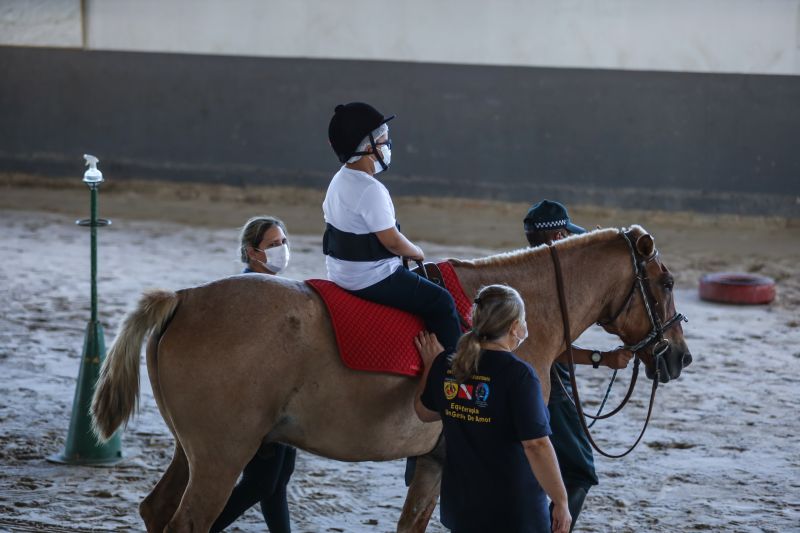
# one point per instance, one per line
(668, 284)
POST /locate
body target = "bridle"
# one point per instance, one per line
(642, 282)
(655, 336)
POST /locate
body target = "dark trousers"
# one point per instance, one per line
(263, 480)
(574, 453)
(414, 294)
(575, 497)
(411, 467)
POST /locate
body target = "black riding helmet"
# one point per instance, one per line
(350, 124)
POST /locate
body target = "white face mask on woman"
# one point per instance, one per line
(524, 335)
(386, 153)
(277, 258)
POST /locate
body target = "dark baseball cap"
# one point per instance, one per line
(548, 215)
(350, 124)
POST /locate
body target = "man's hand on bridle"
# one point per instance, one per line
(617, 359)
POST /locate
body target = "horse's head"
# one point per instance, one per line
(647, 321)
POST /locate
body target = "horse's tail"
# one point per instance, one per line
(117, 392)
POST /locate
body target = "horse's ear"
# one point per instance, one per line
(645, 245)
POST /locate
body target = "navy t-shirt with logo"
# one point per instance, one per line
(487, 483)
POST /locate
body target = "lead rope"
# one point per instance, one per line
(596, 417)
(578, 407)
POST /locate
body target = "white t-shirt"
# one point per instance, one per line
(358, 203)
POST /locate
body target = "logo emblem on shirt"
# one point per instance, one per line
(465, 391)
(481, 394)
(450, 389)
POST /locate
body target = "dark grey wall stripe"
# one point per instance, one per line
(709, 142)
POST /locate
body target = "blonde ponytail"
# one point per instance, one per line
(468, 354)
(496, 308)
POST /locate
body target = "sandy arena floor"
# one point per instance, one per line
(721, 454)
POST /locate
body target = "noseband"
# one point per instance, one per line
(655, 336)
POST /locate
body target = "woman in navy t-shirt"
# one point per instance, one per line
(500, 464)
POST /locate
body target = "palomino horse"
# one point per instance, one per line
(252, 359)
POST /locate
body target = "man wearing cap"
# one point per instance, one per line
(545, 223)
(362, 242)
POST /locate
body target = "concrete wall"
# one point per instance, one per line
(710, 141)
(41, 23)
(682, 141)
(736, 36)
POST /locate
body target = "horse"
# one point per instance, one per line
(251, 359)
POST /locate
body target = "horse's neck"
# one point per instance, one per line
(593, 276)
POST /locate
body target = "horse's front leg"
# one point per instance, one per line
(423, 491)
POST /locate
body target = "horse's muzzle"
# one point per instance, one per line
(670, 363)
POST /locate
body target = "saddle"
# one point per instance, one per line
(377, 338)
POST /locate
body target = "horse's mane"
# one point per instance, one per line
(524, 255)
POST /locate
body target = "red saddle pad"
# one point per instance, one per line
(378, 338)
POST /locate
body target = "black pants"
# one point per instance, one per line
(574, 453)
(263, 480)
(575, 497)
(414, 294)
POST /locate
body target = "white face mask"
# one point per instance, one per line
(386, 153)
(277, 258)
(524, 335)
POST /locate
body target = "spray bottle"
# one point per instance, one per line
(92, 175)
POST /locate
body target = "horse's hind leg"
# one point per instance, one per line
(210, 482)
(159, 506)
(423, 492)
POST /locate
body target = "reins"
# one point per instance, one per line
(423, 271)
(568, 342)
(618, 408)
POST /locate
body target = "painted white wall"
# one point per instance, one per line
(41, 23)
(742, 36)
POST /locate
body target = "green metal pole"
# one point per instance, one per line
(81, 446)
(93, 230)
